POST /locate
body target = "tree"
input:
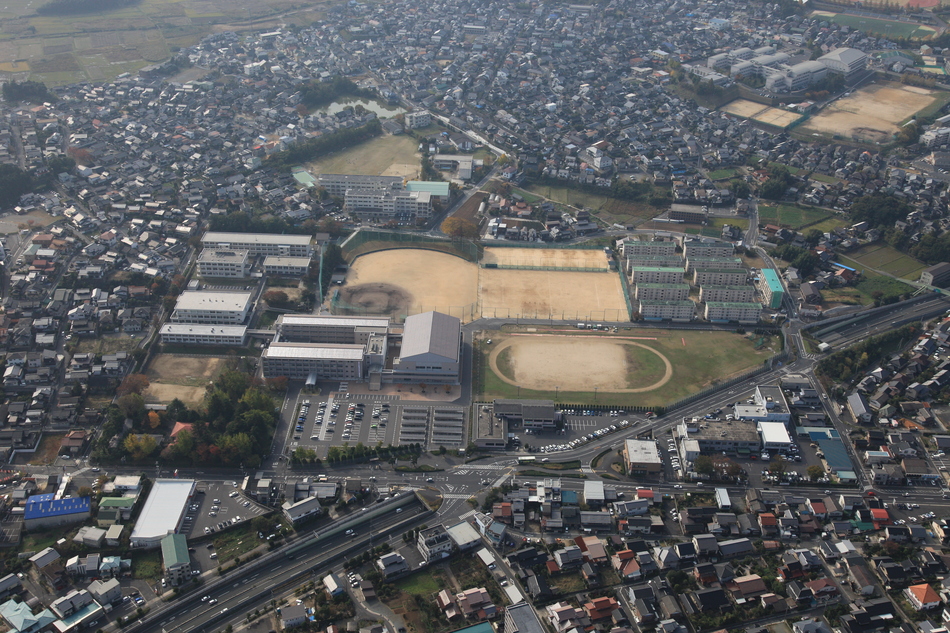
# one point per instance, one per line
(814, 472)
(132, 406)
(84, 491)
(14, 182)
(277, 298)
(139, 447)
(704, 465)
(153, 419)
(133, 383)
(778, 467)
(458, 228)
(740, 188)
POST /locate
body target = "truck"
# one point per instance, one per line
(581, 326)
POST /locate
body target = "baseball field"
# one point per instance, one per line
(401, 282)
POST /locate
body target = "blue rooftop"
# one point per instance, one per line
(39, 506)
(836, 455)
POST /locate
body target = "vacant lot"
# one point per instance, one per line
(873, 113)
(11, 222)
(606, 208)
(656, 366)
(384, 155)
(184, 377)
(889, 260)
(546, 257)
(759, 112)
(47, 450)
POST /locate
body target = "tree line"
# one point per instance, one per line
(316, 147)
(842, 365)
(319, 94)
(74, 7)
(32, 91)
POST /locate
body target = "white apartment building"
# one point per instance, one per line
(633, 248)
(380, 205)
(259, 243)
(339, 184)
(656, 275)
(667, 310)
(698, 261)
(661, 292)
(221, 263)
(417, 119)
(277, 266)
(218, 308)
(198, 334)
(725, 311)
(707, 248)
(654, 261)
(719, 276)
(727, 293)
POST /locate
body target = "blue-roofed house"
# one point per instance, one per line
(21, 618)
(45, 511)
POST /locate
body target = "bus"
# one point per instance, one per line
(527, 460)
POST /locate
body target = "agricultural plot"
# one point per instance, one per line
(887, 28)
(791, 216)
(889, 260)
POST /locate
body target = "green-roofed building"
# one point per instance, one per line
(434, 188)
(772, 288)
(114, 510)
(175, 558)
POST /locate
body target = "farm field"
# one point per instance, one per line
(873, 113)
(888, 28)
(887, 259)
(382, 156)
(646, 367)
(608, 209)
(796, 217)
(101, 46)
(184, 377)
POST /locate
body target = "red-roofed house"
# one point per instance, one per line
(749, 586)
(768, 523)
(626, 564)
(818, 509)
(593, 549)
(880, 517)
(178, 428)
(601, 608)
(922, 596)
(645, 493)
(823, 588)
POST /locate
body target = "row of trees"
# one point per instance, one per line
(32, 91)
(75, 7)
(322, 145)
(841, 366)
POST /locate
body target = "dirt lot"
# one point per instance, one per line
(574, 363)
(553, 294)
(11, 222)
(872, 113)
(554, 257)
(183, 377)
(759, 112)
(409, 281)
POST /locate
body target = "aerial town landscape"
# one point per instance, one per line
(501, 317)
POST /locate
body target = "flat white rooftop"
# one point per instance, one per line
(276, 260)
(218, 301)
(165, 504)
(774, 433)
(215, 237)
(337, 321)
(314, 351)
(642, 451)
(204, 330)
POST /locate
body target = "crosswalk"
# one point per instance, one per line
(467, 467)
(450, 495)
(468, 515)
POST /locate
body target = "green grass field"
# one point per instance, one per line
(700, 359)
(372, 157)
(419, 584)
(792, 216)
(718, 223)
(888, 28)
(722, 174)
(887, 259)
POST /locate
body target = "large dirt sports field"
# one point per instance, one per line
(402, 282)
(184, 377)
(871, 114)
(762, 113)
(573, 363)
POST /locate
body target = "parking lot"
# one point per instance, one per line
(319, 423)
(217, 506)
